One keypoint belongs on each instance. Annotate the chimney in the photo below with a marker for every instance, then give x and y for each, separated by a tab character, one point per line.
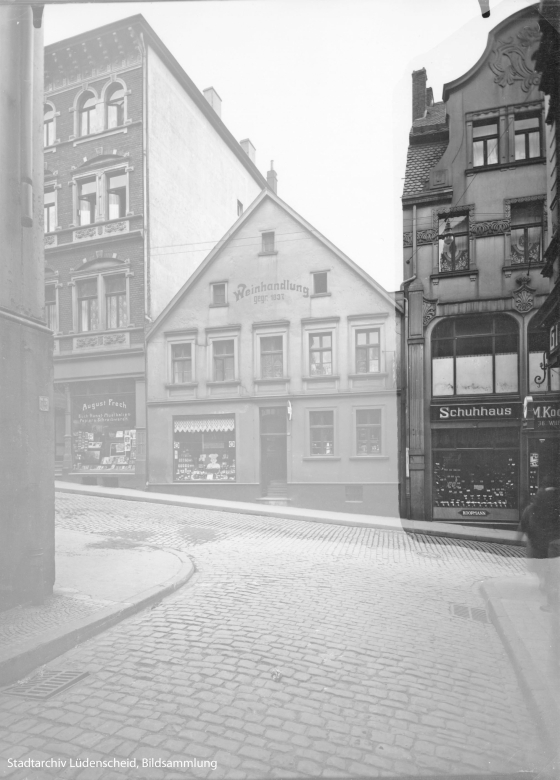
419	79
272	178
248	148
214	99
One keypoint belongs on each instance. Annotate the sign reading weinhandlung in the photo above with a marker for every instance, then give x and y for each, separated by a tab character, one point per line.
269	291
490	412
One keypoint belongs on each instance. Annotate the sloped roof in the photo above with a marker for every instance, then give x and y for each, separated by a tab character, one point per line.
435	117
233	230
420	160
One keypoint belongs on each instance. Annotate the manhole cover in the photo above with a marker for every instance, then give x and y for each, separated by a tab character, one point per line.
469	613
45	686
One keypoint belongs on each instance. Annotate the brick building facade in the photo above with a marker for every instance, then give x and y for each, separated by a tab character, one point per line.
141	177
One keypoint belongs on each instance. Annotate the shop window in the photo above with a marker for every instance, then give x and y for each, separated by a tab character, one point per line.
88	114
320	354
526	231
367	351
368	431
268	242
272	357
116	195
49	210
485	143
321	432
538	348
115	302
204	449
454	243
181	359
50	307
219	294
88	309
48	125
87	201
224	360
320	283
476	468
475	356
527	137
103	427
115	106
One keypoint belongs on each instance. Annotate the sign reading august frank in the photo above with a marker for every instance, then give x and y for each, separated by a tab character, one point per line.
490	412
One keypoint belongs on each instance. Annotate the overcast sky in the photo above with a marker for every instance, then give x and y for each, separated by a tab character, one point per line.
323	88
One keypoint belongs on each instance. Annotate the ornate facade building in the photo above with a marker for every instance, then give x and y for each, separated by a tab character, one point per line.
476	223
141	179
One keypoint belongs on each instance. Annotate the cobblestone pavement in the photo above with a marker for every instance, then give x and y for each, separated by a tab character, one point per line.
297	650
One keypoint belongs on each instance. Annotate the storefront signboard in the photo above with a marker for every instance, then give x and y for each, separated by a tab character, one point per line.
546	415
104	432
467	412
104	409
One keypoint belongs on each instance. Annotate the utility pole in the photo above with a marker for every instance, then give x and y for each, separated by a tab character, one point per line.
26	344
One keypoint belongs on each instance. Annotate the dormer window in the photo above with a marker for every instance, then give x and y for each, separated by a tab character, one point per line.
48	125
88	114
115	107
268	242
485	143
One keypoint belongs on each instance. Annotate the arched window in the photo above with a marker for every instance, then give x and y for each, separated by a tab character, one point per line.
115	106
88	114
48	125
475	356
538	345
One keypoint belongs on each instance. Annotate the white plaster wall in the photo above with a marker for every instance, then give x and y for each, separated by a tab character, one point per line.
195	181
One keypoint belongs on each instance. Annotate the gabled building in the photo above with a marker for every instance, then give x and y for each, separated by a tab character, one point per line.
141	179
272	374
476	222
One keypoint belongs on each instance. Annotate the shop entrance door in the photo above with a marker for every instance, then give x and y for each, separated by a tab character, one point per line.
544	454
273	430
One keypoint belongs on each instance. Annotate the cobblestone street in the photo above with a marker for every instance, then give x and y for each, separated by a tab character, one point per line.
297	650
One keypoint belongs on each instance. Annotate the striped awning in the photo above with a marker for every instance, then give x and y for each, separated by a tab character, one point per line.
208	424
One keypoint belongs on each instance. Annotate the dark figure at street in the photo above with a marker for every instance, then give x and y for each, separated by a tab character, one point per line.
540	523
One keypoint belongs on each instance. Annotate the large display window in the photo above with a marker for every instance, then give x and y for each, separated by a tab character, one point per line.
204	449
104	427
476	468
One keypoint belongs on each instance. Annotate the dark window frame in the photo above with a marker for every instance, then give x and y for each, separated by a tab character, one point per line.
526	227
87	114
223	363
267	353
89	299
90	198
320	350
369	427
48	125
367	348
527	132
49	210
448	231
119	192
113	299
484	140
182	365
51	307
321	429
115	107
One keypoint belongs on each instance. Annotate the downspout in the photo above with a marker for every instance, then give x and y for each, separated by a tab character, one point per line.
146	237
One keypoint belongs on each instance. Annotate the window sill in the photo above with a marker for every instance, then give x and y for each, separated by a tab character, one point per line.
271	380
472	272
320	378
505	165
368	457
180	385
507	270
223	382
82	139
320	295
218	305
321	457
369	375
266	254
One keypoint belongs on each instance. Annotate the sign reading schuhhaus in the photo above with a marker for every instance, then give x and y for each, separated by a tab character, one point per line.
490	412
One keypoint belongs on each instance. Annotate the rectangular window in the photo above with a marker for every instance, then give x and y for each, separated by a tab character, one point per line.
321	432
272	357
526	232
239	208
320	354
116	195
181	357
88	310
367	351
268	242
368	431
115	302
320	286
204	449
48	132
87	201
453	243
527	137
50	306
224	357
219	294
485	143
49	210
